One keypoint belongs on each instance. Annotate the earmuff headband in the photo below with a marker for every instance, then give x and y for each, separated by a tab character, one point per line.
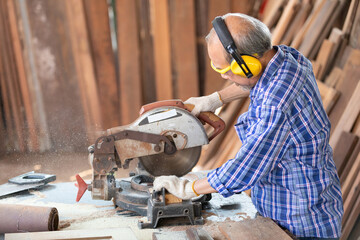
229	44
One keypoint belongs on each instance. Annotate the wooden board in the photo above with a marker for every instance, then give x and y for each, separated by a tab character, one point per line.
315	29
259	228
351	198
52	71
316	68
350	164
284	21
248	7
348	118
183	39
188	234
354	39
97	18
272	12
331	22
84	66
328	95
147	53
33	144
356	128
309	22
160	26
350	178
5	99
212	80
350	79
334	76
230	143
11	80
323	58
32	76
109	233
354	214
337	38
343	149
229	116
297	23
129	61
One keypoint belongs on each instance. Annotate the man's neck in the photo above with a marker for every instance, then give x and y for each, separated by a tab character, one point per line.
265	59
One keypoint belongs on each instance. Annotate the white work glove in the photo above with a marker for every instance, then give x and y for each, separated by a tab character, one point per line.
207	103
181	188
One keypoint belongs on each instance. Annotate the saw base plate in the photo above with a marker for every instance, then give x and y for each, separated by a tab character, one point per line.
132	197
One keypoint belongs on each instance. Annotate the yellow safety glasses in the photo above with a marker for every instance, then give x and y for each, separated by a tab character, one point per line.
222	70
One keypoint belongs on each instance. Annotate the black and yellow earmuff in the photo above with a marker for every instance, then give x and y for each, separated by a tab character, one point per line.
242	64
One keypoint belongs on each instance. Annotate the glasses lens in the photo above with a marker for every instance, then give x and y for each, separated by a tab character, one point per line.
220	70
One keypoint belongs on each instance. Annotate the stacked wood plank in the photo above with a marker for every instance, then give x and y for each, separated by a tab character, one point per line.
320	31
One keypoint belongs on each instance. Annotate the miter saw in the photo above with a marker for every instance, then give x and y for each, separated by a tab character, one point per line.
167	140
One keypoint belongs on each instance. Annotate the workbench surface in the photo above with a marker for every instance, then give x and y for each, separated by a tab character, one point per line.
98	214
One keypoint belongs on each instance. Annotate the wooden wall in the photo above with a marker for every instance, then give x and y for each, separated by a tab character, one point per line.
69	69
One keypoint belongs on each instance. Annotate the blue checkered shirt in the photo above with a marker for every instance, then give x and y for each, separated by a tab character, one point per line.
285	156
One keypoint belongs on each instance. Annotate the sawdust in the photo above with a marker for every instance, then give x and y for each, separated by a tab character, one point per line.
37	167
37	193
84	174
96	215
235	208
206	214
241	213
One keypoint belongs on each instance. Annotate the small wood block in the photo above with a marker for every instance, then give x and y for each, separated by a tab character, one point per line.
169	198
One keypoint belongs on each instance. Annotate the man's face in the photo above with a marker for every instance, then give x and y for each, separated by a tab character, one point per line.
216	54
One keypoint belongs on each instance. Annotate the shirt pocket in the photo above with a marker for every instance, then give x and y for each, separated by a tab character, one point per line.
241	127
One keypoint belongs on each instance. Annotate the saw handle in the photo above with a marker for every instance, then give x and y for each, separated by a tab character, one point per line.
208	117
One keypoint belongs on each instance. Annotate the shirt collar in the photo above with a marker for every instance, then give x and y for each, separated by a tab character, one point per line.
271	68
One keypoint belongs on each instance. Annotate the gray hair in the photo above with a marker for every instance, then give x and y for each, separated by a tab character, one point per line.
257	39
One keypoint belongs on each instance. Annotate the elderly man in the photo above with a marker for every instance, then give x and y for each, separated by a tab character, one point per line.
285	156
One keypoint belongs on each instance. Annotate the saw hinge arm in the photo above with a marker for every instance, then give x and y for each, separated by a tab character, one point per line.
156	139
104	149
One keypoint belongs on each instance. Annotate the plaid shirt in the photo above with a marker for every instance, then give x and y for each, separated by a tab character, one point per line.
285	156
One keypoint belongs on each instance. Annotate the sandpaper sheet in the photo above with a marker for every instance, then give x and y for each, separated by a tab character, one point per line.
22	218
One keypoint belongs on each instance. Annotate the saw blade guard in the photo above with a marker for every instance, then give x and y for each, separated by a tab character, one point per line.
190	127
176	124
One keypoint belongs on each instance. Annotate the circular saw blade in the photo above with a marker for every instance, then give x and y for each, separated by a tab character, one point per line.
179	163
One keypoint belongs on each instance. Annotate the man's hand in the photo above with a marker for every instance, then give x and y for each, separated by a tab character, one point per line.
205	104
181	188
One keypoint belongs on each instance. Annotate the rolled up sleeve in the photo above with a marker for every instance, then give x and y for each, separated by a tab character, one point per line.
265	140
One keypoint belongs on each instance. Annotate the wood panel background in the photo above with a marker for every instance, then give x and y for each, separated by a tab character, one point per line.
70	69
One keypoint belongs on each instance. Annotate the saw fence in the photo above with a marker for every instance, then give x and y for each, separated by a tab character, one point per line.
69	69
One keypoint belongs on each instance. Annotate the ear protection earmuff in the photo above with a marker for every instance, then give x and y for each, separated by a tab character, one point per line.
242	64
